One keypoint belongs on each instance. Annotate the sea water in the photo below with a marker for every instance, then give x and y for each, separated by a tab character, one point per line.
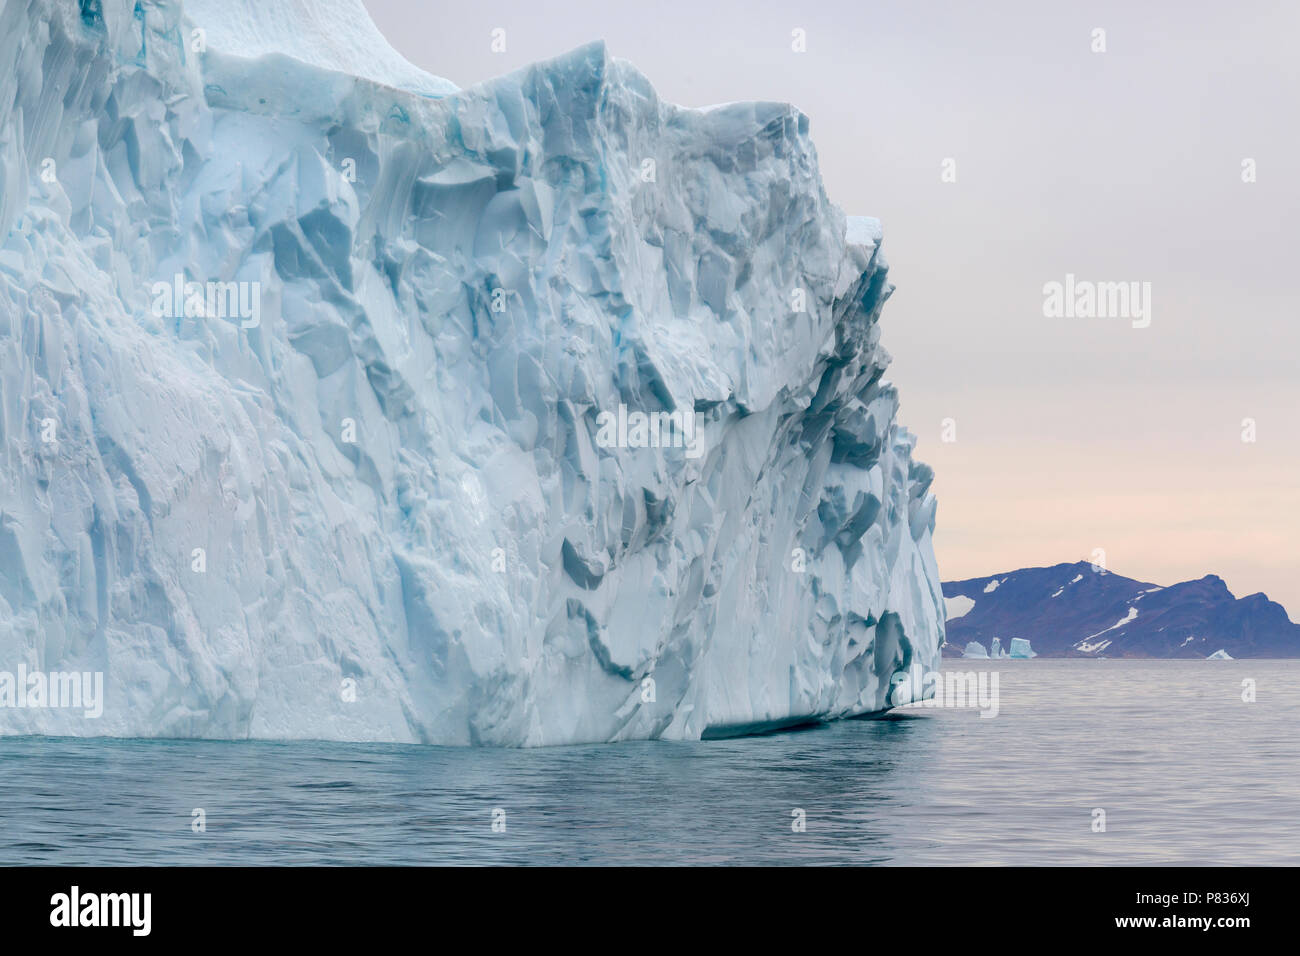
1086	762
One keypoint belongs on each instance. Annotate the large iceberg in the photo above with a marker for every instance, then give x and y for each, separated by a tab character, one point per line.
336	402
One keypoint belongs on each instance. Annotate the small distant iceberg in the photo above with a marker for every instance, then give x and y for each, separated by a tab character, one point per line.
1220	655
1020	649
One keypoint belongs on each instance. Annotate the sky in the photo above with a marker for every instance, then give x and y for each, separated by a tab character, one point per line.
1004	146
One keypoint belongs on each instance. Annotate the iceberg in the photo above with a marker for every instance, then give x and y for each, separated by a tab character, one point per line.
976	649
1020	649
339	403
996	652
1219	655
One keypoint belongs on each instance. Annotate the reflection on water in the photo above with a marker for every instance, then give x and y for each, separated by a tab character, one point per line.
1186	772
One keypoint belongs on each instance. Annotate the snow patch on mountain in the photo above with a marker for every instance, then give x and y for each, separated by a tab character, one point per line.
957	606
1088	646
1093	647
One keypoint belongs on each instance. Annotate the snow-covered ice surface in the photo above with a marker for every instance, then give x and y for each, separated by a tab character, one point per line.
338	36
368	500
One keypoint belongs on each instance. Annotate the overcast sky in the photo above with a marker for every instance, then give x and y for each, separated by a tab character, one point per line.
1072	434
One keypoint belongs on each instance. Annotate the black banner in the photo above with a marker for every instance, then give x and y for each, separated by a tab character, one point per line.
925	906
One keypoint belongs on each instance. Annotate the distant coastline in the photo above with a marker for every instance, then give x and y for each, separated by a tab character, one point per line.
1081	610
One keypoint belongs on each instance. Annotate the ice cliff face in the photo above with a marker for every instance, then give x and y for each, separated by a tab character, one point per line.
323	395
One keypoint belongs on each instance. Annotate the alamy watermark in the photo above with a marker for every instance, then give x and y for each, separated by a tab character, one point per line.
1084	299
53	689
75	908
634	429
924	688
214	300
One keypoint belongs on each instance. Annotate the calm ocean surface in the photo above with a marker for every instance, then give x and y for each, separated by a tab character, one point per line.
1186	772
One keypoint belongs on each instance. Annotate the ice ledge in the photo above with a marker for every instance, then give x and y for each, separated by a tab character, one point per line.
335	35
863	231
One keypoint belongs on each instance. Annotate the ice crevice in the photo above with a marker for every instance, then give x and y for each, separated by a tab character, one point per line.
388	441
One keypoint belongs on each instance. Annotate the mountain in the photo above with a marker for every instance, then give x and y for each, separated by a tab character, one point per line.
1072	610
337	402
